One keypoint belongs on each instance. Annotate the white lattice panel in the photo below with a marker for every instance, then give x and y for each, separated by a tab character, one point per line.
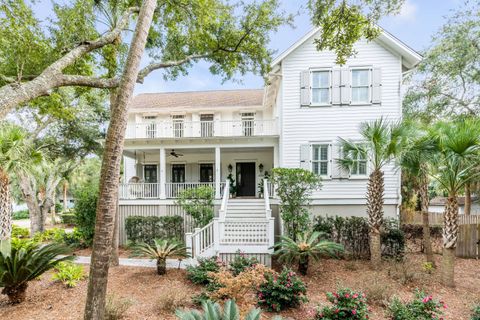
248	233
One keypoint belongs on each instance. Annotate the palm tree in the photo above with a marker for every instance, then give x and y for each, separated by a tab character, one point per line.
381	144
161	250
213	311
307	246
16	154
453	166
418	150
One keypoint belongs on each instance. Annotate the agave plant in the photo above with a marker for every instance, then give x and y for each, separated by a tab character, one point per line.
308	245
161	250
213	311
25	264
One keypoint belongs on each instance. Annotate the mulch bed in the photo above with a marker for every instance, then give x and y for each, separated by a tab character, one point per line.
50	300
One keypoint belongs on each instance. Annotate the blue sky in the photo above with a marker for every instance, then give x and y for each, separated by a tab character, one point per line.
415	25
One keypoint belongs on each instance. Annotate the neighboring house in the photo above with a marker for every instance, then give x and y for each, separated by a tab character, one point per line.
437	205
181	140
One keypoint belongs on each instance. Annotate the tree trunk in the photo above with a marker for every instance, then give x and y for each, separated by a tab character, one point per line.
161	266
450	234
5	213
303	265
468	199
115	258
375	190
110	173
424	202
16	294
65	200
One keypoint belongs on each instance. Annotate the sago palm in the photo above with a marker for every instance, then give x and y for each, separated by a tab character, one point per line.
414	162
380	143
213	311
25	264
458	146
307	246
16	153
161	250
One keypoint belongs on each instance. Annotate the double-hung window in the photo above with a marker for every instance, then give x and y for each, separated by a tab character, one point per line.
320	159
361	85
359	166
321	87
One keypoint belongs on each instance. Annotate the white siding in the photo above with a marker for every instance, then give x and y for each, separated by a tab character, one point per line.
301	125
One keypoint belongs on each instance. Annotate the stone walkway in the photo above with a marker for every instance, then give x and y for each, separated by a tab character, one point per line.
147	263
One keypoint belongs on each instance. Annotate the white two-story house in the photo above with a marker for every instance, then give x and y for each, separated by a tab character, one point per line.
181	140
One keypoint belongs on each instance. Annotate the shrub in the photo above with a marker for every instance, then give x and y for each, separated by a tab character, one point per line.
422	307
475	312
177	296
146	229
19	243
281	291
85	211
161	250
347	304
25	264
69	273
68	218
307	246
55	235
200	274
18	232
353	234
21	214
115	308
294	187
74	239
377	291
213	311
198	202
241	262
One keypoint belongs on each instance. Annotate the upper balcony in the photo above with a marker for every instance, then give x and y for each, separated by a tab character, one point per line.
202	129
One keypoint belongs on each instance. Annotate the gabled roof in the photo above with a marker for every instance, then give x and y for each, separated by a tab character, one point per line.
410	58
197	99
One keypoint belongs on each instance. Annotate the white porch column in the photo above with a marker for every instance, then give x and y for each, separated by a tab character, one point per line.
163	173
275	156
217	172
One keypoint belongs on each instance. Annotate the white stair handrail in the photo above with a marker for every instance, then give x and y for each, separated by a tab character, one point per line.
266	195
201	239
223	207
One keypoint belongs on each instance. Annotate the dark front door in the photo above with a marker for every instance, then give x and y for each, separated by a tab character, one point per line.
246	179
150	173
206	172
178	173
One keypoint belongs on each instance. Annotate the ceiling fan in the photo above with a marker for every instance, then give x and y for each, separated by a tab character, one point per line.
175	154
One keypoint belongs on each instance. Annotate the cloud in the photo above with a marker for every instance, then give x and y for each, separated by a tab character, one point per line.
408	12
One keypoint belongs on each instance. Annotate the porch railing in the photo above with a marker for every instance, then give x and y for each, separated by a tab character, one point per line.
139	190
202	129
173	189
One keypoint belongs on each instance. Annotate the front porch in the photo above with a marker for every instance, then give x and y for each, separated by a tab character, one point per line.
165	172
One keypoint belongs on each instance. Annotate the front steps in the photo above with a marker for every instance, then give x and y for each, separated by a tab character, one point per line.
238	208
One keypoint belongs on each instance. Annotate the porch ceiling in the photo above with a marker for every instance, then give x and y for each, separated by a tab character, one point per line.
192	151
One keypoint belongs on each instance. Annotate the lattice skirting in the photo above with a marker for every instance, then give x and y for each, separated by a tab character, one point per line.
263	258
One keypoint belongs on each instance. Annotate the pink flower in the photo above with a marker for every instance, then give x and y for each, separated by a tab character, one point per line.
444	306
355	296
337	310
426	299
354	312
347	295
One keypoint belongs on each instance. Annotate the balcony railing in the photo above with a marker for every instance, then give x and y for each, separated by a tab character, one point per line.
152	190
202	129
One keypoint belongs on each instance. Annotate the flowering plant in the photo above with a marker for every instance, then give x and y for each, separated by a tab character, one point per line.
422	307
281	291
347	304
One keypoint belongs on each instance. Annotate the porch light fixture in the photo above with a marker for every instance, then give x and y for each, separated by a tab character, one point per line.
260	167
230	168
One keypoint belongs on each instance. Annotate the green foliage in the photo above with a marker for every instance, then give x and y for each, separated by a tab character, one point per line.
307	246
161	249
85	211
213	311
146	229
18	232
70	274
352	233
74	239
19	243
68	218
294	188
115	308
343	23
26	264
199	274
56	235
475	312
347	304
21	214
241	262
281	291
198	202
422	307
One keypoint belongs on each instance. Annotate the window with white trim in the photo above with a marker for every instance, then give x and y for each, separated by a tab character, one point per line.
321	87
359	166
320	159
361	85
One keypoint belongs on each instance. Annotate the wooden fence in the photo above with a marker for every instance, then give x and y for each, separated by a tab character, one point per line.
468	242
